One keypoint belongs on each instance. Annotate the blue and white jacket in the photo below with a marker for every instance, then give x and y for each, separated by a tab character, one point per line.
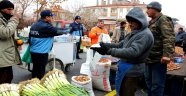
41	36
76	29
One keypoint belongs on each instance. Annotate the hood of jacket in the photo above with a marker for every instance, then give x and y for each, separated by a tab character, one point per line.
137	13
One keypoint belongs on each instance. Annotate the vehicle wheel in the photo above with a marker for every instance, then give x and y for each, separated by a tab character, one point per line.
59	64
68	67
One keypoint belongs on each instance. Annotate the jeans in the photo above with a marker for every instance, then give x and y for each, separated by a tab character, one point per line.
155	76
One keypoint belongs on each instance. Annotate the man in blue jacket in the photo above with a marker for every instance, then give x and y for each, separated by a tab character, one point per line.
41	41
179	37
77	32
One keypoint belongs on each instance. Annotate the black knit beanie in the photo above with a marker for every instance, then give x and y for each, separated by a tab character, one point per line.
6	4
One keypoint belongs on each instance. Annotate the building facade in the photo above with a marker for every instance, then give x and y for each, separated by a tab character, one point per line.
115	8
112	10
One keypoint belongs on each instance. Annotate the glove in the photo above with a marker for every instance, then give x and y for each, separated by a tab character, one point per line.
104	47
100	50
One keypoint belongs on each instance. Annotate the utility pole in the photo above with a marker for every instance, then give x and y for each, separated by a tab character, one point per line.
37	12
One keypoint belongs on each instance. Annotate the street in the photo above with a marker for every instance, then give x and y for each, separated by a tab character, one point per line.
21	74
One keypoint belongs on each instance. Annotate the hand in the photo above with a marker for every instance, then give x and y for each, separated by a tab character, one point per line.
16	16
165	60
98	34
104	47
19	48
99	50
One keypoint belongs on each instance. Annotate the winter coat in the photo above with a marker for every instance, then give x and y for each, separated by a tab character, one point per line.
93	34
136	46
117	34
162	29
9	54
180	36
41	36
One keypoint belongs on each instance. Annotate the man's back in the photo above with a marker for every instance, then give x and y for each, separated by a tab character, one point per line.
41	37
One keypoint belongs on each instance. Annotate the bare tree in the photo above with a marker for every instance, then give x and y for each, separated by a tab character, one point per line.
24	4
89	17
46	4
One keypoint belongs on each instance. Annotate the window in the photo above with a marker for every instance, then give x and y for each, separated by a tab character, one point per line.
113	10
104	10
121	10
67	25
59	25
54	23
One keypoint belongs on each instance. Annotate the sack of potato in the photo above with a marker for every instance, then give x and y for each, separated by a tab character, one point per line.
83	81
100	75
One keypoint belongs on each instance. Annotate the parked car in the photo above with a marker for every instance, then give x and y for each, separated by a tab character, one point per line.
66	24
61	23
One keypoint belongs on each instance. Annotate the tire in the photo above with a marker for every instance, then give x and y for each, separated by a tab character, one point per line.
59	64
68	67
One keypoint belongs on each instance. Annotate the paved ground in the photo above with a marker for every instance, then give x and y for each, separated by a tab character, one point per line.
21	74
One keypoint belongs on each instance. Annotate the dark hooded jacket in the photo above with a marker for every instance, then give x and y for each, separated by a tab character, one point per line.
135	47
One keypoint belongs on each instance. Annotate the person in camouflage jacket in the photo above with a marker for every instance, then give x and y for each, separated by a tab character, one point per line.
160	55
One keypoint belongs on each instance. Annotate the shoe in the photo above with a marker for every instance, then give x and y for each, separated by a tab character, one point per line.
78	58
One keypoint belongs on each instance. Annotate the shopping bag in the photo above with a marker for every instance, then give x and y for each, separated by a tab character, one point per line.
105	38
85	67
95	60
27	56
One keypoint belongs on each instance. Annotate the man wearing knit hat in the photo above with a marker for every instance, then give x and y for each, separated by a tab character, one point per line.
161	54
9	55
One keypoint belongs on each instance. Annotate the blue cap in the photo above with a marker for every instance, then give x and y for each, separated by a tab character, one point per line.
45	13
77	17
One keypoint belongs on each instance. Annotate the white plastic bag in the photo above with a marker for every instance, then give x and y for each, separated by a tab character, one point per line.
89	55
77	38
85	69
95	60
105	38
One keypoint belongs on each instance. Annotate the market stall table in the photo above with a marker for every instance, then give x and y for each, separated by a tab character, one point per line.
175	82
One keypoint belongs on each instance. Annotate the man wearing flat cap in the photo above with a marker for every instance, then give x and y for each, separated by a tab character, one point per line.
9	55
161	54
